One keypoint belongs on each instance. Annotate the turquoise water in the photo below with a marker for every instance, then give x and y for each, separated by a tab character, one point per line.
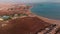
49	10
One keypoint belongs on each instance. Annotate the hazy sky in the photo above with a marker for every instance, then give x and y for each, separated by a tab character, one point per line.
28	1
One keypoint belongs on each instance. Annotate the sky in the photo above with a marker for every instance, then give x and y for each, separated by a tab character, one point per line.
27	1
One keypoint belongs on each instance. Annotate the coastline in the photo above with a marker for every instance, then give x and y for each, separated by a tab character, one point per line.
45	19
51	21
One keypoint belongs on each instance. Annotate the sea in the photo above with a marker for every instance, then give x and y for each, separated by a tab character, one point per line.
48	10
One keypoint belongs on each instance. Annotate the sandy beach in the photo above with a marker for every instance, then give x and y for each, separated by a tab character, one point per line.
52	21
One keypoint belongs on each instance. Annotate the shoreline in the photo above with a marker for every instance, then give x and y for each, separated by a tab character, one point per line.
52	21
